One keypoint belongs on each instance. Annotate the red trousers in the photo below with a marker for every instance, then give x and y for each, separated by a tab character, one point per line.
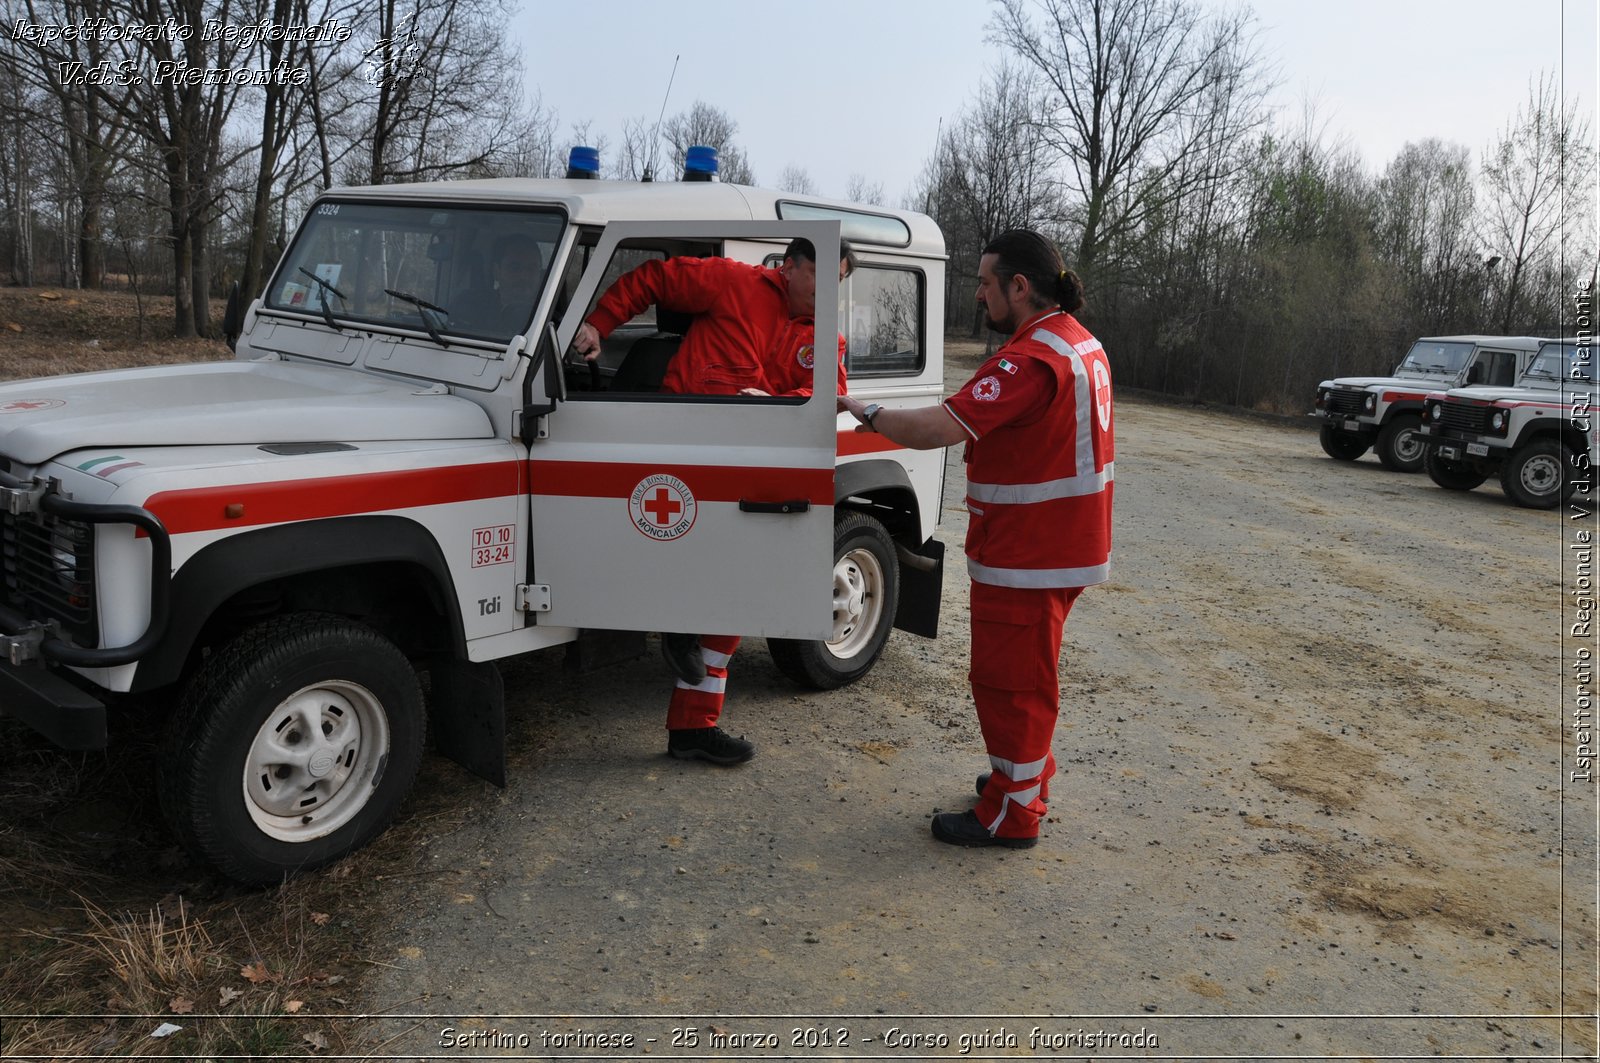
699	704
1016	642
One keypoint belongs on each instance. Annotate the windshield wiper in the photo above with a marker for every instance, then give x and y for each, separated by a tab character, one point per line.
424	310
327	315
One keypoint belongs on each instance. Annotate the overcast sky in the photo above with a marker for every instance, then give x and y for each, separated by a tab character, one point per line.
1382	72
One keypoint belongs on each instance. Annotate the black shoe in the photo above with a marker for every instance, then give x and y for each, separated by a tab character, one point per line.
983	781
683	656
963	828
709	743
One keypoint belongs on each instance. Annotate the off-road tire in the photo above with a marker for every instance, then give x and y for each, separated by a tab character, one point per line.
866	581
327	689
1341	445
1450	475
1538	474
1399	447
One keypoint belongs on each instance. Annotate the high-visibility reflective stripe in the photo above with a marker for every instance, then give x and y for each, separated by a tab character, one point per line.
1021	797
711	684
714	659
1039	578
1082	392
974	510
1020	494
1014	771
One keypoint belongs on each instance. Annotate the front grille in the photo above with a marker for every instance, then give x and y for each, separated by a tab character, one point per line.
1347	403
48	564
1464	418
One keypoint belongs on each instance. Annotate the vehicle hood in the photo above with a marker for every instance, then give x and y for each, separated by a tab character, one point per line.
1488	395
224	402
1437	383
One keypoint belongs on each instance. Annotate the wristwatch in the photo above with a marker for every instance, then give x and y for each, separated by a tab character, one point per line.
869	413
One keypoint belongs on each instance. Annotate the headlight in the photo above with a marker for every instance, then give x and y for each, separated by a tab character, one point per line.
1322	397
1497	420
1435	411
1371	404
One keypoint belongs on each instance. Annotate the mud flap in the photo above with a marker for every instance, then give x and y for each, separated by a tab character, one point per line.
595	649
469	716
921	584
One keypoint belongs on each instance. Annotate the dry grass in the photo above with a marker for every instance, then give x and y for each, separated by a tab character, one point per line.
50	331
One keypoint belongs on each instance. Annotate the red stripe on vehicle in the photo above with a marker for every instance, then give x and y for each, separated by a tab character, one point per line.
1400	396
851	443
204	509
709	483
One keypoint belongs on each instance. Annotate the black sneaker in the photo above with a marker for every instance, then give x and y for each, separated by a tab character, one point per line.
683	656
963	828
709	743
983	782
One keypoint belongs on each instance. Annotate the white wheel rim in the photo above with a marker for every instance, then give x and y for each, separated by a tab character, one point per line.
1408	445
1541	474
857	602
313	764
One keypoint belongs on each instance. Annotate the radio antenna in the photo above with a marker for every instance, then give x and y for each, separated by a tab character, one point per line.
655	138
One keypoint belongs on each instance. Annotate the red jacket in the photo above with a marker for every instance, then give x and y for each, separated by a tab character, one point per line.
1039	486
741	312
791	360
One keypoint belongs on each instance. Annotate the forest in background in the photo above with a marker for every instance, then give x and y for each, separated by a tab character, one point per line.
1230	254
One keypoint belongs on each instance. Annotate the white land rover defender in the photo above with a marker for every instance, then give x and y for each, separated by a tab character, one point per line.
380	484
1538	437
1383	412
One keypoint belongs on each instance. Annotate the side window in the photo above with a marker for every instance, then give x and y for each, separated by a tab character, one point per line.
1502	369
882	316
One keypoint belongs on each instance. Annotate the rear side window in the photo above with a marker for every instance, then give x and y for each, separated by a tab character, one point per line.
881	314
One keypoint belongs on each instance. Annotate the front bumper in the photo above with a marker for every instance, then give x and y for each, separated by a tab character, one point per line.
36	575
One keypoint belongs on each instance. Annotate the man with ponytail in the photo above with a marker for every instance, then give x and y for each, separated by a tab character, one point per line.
1036	419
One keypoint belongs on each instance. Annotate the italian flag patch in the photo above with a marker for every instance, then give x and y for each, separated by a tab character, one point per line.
1010	367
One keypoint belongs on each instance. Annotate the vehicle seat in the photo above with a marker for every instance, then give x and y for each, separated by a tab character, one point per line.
645	364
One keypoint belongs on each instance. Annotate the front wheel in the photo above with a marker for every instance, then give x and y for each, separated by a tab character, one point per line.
1538	475
293	746
1342	445
866	592
1399	447
1451	475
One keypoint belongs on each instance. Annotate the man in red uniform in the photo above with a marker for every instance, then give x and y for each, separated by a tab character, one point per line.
746	319
1036	419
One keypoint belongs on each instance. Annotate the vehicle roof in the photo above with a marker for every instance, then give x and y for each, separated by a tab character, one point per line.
1488	341
590	202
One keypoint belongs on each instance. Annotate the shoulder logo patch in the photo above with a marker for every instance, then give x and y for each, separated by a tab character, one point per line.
987	389
807	356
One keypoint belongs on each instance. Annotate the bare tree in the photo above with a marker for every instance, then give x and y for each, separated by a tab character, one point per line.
858	189
1424	227
705	124
795	179
1536	176
1139	87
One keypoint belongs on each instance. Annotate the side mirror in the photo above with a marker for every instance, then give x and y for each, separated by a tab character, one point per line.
233	316
548	357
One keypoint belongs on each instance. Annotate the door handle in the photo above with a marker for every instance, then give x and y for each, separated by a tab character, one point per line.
798	505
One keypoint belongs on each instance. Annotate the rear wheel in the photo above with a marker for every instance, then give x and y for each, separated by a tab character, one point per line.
1345	446
866	591
1538	475
1399	447
293	746
1451	475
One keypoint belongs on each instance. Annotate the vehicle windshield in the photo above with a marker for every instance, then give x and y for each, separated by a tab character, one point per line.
1564	361
463	271
1435	358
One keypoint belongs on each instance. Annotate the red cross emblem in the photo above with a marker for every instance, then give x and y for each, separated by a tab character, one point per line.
986	390
662	507
25	405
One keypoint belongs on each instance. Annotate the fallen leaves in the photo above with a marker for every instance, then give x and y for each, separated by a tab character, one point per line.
256	973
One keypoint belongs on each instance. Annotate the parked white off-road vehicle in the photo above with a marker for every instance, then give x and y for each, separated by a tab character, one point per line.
1538	437
1382	412
383	483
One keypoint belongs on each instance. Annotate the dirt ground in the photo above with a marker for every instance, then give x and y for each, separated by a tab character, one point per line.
1313	803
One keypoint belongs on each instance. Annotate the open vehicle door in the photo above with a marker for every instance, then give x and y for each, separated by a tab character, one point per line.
698	514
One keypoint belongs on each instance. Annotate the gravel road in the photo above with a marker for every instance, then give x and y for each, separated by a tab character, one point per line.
1314	801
